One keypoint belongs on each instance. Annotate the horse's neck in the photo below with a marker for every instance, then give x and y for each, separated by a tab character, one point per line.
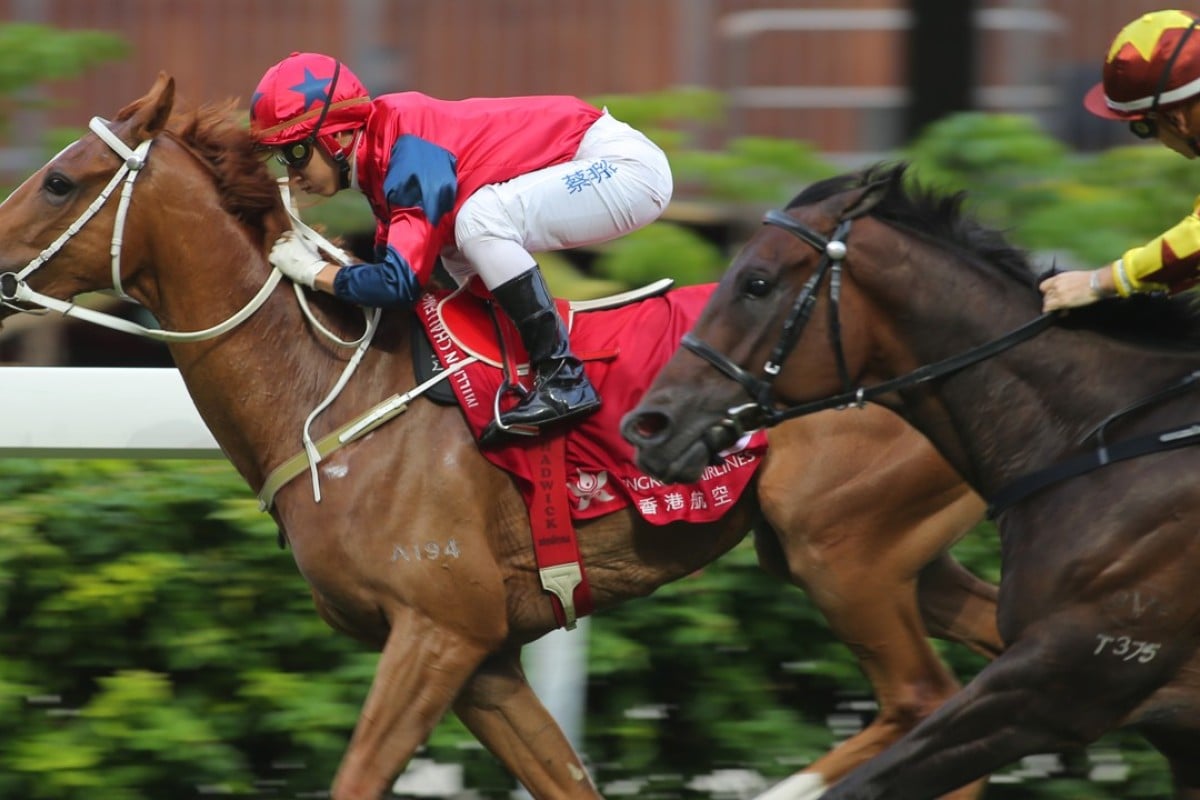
1030	406
255	385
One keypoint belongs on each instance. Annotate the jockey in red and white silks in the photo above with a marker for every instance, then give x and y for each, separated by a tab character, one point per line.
482	183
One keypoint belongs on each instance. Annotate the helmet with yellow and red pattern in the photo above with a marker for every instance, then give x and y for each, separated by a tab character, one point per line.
1153	64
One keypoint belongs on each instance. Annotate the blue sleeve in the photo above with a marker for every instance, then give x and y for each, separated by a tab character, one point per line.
420	187
422	175
388	284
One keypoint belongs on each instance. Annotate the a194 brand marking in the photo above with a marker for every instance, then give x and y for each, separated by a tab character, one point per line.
429	551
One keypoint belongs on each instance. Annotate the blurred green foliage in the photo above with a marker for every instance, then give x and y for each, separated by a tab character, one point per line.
156	643
638	258
1089	208
33	54
156	640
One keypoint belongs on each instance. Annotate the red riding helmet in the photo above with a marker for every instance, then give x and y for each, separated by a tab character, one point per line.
1153	64
307	96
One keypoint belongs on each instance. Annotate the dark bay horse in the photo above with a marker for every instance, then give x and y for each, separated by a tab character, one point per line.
865	531
868	288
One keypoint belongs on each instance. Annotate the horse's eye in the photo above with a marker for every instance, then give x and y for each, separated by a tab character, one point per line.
58	184
757	287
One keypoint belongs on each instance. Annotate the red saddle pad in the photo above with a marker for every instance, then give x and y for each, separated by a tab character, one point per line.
628	345
467	319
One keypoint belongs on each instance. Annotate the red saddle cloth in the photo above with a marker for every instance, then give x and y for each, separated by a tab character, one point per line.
623	348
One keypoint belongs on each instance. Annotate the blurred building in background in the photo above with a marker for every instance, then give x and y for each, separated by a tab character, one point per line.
834	73
856	78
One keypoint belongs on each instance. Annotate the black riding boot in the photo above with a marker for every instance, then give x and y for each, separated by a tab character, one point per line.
561	389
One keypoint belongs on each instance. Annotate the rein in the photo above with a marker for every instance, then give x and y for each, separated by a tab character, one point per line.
14	289
761	411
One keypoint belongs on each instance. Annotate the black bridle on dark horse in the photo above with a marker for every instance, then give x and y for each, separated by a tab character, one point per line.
762	412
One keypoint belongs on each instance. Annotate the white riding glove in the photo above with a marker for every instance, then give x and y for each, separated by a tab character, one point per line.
297	259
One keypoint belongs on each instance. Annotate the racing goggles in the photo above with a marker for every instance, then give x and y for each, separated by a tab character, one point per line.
295	154
1145	128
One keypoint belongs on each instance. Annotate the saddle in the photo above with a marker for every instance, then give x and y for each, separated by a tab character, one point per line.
475	326
623	340
583	469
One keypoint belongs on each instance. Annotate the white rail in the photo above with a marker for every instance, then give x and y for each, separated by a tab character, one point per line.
100	412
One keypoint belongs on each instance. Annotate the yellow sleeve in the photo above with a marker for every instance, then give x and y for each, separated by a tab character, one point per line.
1170	262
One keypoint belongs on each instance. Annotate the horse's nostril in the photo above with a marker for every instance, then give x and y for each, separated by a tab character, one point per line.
647	426
652	425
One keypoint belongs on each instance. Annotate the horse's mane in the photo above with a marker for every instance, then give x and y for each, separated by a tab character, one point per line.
936	215
215	133
940	217
217	136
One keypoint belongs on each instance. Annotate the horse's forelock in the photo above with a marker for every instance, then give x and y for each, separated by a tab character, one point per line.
889	173
824	189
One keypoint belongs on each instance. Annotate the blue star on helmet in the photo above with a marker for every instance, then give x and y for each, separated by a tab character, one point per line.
312	88
254	98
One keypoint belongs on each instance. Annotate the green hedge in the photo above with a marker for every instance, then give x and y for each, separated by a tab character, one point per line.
157	643
156	640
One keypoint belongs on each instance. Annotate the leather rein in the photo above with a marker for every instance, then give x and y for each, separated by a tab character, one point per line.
762	412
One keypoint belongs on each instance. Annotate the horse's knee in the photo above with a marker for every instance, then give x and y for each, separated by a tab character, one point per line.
497	679
908	703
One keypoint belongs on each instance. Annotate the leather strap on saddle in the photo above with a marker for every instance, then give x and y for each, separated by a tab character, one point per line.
555	546
466	318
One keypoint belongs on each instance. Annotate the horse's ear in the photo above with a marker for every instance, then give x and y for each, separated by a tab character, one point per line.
149	115
860	201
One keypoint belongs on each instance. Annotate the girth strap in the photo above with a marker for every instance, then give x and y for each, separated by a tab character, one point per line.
555	546
1160	442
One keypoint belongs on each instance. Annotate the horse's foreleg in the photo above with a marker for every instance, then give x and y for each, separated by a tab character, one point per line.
1047	692
500	708
422	668
883	627
867	592
871	606
958	606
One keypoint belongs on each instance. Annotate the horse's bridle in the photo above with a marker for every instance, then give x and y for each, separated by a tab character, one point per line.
762	412
132	162
14	289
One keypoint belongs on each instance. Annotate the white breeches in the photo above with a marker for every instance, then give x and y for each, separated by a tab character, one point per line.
618	181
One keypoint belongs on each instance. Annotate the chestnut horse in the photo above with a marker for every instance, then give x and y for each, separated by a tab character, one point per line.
866	532
860	282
